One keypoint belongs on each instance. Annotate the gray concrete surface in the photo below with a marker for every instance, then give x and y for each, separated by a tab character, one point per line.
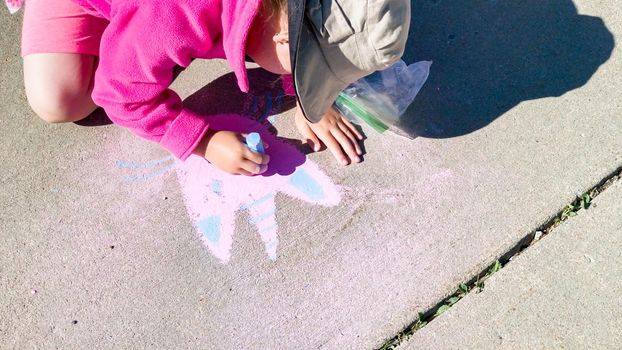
415	219
562	293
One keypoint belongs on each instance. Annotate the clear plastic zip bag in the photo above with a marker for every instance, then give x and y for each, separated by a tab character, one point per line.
380	99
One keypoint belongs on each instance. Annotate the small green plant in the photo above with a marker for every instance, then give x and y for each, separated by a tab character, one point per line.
420	323
571	209
390	345
460	293
441	309
463	289
586	201
494	268
479	284
404	335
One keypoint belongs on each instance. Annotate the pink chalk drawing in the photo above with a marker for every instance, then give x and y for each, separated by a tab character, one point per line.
214	198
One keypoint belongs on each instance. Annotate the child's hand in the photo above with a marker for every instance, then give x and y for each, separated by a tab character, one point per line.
335	131
227	151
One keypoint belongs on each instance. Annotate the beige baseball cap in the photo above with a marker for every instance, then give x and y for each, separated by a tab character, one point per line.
333	43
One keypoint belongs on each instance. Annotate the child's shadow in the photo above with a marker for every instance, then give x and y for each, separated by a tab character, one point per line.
230	109
222	96
491	55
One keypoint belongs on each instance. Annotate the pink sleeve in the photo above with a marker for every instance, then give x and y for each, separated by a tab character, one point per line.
139	49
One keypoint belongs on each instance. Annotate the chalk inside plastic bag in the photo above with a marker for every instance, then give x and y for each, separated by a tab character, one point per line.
380	99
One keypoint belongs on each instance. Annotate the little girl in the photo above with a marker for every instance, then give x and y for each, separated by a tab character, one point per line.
121	54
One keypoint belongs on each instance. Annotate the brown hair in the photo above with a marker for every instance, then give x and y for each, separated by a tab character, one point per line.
274	7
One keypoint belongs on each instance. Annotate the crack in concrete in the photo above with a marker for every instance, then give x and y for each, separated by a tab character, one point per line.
476	283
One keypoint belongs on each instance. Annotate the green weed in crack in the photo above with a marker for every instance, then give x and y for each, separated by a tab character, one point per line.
571	209
477	284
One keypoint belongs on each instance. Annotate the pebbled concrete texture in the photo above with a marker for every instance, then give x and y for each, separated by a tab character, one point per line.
561	293
415	219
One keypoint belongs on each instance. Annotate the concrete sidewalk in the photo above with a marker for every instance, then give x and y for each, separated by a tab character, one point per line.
108	242
562	293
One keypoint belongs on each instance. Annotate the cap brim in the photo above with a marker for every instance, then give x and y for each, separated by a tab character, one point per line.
315	84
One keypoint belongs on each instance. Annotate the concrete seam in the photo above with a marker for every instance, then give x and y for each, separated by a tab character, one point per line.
476	283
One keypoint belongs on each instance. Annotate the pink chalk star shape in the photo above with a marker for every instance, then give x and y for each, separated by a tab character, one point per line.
213	198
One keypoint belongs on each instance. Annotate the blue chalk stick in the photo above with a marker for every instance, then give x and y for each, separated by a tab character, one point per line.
253	141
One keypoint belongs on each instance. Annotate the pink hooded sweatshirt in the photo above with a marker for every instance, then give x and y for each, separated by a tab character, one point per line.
142	44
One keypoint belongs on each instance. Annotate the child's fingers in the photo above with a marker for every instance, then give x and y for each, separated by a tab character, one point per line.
257	158
244	172
352	128
344	128
253	168
345	120
346	145
333	146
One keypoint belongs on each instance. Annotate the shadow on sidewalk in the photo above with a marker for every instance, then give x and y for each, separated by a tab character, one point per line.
228	108
222	96
490	55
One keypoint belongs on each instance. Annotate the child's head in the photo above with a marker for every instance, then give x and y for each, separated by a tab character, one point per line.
333	44
268	39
